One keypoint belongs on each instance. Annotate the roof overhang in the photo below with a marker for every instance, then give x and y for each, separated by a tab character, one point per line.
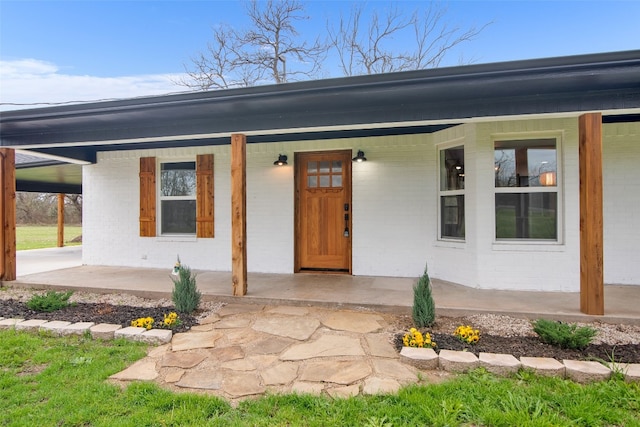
395	103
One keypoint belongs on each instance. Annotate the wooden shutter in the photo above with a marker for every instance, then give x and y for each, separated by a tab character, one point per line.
147	196
204	195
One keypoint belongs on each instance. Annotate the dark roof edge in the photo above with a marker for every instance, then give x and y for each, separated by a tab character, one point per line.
445	73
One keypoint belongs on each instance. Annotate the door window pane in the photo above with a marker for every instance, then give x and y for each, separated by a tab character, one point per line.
324	181
336	180
325	167
312	181
312	167
336	166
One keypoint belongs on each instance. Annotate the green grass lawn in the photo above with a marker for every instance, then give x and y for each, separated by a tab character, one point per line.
44	236
47	381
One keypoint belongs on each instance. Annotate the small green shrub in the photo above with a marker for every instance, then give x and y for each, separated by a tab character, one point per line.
564	335
424	308
50	301
186	296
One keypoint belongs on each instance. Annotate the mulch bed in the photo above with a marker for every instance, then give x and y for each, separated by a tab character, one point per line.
517	346
97	313
533	347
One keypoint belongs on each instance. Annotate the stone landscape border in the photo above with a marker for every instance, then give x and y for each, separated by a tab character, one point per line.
421	358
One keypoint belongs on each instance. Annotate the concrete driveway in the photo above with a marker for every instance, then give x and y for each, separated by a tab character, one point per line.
41	260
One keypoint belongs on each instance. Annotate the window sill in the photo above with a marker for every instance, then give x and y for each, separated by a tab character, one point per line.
177	238
451	243
533	246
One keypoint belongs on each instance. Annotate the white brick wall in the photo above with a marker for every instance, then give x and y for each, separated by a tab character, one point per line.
621	194
395	210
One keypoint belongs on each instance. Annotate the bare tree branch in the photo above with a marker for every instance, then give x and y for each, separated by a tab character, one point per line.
371	47
270	51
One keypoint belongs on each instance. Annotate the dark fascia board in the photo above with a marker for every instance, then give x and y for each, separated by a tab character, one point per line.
593	82
47	187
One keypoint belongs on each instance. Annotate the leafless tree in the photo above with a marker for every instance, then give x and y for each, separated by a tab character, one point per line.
42	208
272	50
369	45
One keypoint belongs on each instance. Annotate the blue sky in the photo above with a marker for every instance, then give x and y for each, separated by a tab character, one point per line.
59	51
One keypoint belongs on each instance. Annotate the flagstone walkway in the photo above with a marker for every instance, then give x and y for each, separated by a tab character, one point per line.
249	350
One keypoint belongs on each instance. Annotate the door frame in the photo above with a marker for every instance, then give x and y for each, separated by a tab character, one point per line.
296	210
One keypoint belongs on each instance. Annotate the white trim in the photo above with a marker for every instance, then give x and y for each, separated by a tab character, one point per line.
512	244
458	142
160	198
52	157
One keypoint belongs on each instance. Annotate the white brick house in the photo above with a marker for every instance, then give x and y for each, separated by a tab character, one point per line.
473	170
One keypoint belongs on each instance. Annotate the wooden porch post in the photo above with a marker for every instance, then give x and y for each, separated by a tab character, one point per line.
60	220
239	214
8	213
591	223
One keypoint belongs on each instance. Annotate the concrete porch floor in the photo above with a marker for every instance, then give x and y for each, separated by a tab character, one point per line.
386	294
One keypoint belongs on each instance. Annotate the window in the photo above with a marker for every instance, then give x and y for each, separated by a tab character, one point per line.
526	191
452	193
178	198
184	193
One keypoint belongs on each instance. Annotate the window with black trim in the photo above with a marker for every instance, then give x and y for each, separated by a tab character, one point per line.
451	194
526	190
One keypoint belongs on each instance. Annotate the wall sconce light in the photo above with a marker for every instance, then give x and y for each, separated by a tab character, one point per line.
282	160
360	157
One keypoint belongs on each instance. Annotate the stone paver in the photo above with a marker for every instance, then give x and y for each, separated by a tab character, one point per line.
239	365
240	384
282	373
631	371
128	332
224	354
585	371
543	366
174	376
377	385
353	322
325	346
335	371
344	392
499	364
387	368
421	358
271	345
210	379
182	359
155	336
54	326
193	340
301	387
233	309
30	325
457	361
79	328
232	323
104	331
379	346
299	328
142	370
289	310
9	323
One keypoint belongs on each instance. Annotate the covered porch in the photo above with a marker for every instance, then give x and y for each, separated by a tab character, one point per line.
384	294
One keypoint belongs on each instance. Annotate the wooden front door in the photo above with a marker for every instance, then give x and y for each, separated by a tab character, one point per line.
323	211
